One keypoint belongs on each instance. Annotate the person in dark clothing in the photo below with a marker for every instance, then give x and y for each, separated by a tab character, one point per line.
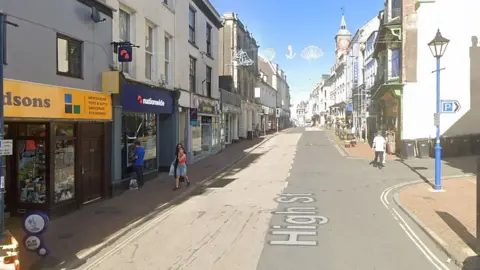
138	166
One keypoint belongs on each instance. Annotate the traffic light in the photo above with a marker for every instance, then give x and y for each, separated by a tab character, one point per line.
124	54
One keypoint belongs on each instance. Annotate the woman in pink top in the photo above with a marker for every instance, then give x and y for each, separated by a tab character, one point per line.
181	168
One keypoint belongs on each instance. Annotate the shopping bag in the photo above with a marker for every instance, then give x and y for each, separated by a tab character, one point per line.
133	184
172	170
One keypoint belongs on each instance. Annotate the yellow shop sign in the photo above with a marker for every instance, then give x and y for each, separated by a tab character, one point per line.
30	100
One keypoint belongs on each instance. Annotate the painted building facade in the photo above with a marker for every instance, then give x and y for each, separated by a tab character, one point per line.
55	113
197	31
238	42
460	79
144	103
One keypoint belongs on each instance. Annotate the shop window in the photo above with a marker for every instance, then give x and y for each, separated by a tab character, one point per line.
31	170
215	133
34	130
197	139
140	127
64	170
64	130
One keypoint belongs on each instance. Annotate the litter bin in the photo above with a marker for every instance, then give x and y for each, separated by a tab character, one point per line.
423	147
408	149
475	144
449	148
464	145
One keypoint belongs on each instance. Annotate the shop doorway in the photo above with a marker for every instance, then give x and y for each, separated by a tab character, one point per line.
206	133
91	172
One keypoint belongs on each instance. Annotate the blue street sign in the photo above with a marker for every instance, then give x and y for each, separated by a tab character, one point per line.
450	106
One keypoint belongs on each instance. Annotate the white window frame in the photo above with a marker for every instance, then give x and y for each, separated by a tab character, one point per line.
167	59
193	39
125	67
151	54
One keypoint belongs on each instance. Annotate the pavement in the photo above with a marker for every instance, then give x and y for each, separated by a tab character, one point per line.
295	202
448	217
77	236
362	150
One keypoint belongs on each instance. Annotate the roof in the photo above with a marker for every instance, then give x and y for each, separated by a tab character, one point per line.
266	69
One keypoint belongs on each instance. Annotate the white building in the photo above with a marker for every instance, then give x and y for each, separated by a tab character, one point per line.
266	94
196	52
279	82
370	73
301	107
150	27
460	75
355	65
342	99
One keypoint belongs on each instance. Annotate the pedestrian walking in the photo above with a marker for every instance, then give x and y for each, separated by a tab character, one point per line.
379	146
138	165
175	160
181	169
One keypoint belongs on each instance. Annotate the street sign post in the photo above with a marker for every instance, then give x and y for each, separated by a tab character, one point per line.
3	23
450	106
6	147
277	111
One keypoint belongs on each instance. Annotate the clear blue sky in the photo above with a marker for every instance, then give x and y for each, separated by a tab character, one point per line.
279	23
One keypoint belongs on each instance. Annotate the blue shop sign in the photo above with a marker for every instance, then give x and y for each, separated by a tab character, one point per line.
138	98
349	108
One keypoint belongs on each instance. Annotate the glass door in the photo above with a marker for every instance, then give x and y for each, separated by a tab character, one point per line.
206	133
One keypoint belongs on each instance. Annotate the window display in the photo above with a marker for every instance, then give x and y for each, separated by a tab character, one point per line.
31	170
34	130
206	133
215	133
140	127
64	170
196	140
64	130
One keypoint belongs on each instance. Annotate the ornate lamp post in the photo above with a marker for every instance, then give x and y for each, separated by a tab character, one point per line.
438	46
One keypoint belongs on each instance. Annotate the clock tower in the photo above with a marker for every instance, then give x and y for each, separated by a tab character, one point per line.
342	39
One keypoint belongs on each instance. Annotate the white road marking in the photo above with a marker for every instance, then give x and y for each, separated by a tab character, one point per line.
339	150
429	255
132	237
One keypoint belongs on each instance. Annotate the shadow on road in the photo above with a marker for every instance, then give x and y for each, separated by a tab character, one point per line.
94	224
416	171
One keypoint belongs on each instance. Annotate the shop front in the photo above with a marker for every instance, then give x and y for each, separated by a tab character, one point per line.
147	116
231	110
230	114
389	120
61	147
205	127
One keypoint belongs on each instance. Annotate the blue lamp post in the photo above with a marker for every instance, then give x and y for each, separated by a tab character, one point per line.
438	46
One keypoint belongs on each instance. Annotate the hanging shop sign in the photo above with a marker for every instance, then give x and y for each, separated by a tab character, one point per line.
204	107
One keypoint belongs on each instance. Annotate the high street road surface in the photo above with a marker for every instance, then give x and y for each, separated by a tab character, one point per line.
293	203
